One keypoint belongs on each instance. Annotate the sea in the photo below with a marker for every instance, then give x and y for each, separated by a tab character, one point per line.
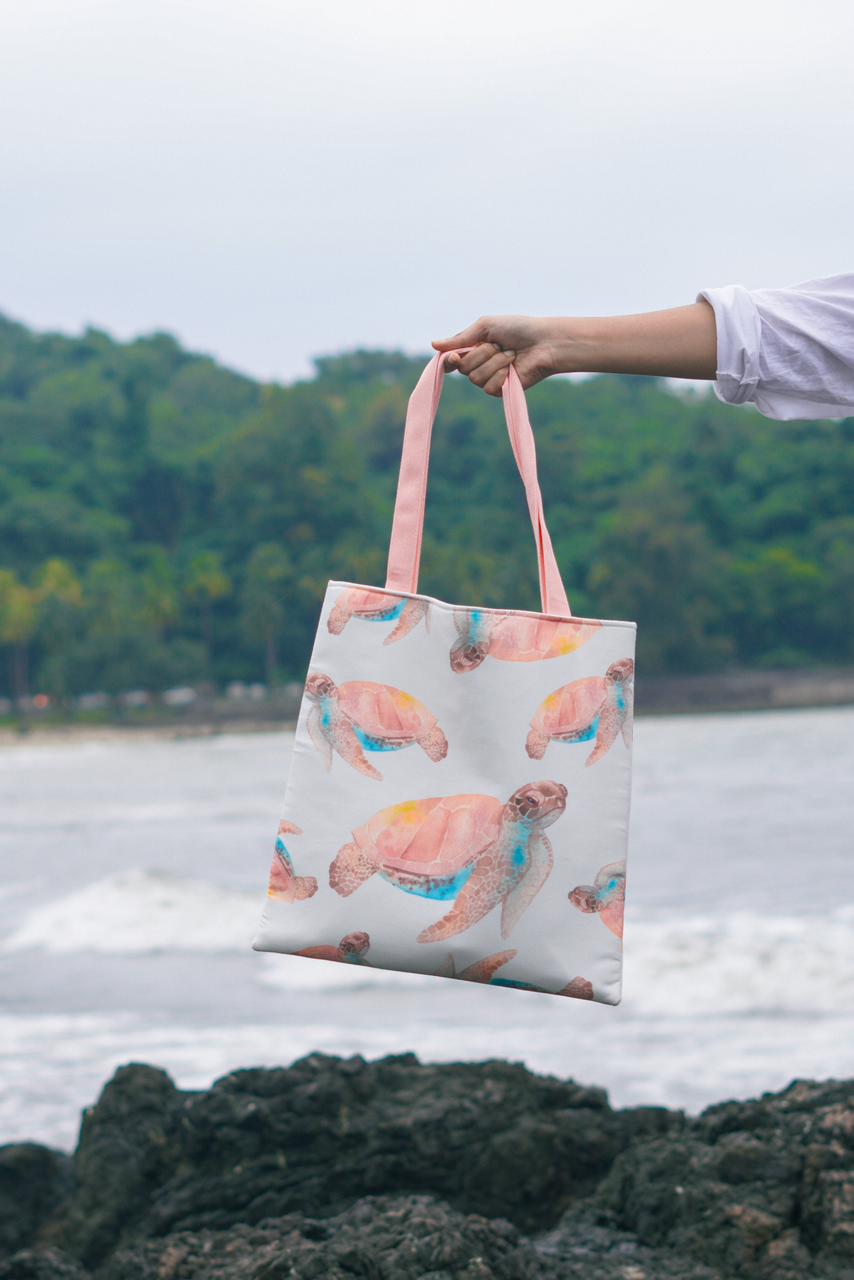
133	871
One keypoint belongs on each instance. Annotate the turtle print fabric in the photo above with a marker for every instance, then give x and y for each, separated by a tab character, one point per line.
364	716
459	794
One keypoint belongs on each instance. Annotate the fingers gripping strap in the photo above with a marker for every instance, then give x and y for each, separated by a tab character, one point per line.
404	554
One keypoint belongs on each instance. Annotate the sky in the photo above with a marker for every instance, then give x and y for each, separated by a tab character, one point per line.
271	181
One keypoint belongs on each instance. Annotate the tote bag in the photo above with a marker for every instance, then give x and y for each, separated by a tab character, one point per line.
459	789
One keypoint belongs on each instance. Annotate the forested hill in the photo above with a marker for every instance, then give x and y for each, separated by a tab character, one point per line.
165	520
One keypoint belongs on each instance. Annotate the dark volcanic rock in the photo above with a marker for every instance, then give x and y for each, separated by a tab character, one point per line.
396	1238
42	1264
758	1188
33	1180
489	1138
393	1169
127	1151
386	1238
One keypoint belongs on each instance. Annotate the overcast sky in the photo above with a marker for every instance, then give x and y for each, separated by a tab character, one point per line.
271	180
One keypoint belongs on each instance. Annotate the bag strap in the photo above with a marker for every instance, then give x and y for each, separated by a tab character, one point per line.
404	553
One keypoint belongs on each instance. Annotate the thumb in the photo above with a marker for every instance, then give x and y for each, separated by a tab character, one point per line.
468	337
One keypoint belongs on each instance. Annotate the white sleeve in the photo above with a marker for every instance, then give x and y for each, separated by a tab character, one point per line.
788	351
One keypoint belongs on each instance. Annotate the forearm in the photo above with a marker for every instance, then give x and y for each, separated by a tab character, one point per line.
677	343
789	351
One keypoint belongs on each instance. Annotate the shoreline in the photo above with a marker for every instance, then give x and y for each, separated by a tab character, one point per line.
713	694
168	730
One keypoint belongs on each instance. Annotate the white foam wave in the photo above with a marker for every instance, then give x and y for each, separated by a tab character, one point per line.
54	1064
142	911
742	963
137	911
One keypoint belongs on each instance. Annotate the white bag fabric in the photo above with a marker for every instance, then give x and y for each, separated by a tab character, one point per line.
459	790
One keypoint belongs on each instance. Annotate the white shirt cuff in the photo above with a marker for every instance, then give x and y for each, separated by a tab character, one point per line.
739	333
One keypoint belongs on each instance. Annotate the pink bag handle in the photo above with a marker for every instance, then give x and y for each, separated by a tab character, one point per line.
404	553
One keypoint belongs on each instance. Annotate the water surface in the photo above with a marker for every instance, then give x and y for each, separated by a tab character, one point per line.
133	872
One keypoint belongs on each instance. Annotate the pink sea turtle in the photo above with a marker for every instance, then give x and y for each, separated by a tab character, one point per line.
284	883
480	971
377	606
352	949
514	637
606	896
363	716
595	707
471	848
485	970
578	988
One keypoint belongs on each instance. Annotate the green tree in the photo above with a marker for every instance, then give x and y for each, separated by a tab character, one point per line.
206	583
776	601
269	573
655	565
156	476
59	597
18	622
160	598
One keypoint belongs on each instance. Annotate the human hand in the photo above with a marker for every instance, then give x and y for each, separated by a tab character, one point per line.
530	343
679	342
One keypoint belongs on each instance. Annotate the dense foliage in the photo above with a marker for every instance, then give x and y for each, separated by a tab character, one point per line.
164	520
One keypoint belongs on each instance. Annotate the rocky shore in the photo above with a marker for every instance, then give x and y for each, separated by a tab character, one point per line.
342	1169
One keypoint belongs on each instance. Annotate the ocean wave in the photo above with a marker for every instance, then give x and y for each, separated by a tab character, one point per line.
80	817
744	962
19	886
142	911
54	1064
740	963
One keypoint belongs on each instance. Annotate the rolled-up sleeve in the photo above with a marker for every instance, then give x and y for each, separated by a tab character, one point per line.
788	351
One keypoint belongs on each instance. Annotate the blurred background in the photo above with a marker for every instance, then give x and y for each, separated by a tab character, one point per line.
229	235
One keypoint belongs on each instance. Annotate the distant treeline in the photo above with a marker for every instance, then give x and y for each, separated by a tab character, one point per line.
164	520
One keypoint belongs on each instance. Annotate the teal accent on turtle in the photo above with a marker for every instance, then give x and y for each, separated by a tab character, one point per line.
394	612
476	624
621	701
283	853
373	744
585	735
437	889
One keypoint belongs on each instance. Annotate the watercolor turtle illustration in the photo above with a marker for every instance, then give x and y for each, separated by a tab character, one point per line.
363	716
514	637
485	970
377	606
352	949
606	896
470	848
579	988
284	883
596	707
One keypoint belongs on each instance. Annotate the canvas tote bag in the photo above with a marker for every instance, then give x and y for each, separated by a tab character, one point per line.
459	789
